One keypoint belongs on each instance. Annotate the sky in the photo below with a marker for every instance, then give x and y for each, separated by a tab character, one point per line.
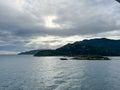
49	24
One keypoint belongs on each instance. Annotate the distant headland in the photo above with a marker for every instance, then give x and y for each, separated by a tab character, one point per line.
98	46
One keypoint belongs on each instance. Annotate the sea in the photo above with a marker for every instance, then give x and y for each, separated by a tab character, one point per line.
26	72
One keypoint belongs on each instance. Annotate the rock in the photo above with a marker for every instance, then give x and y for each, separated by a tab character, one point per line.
63	59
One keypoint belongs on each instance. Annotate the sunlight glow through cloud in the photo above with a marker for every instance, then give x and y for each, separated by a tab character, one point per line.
50	22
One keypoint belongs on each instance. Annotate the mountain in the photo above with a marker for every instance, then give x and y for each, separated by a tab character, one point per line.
118	1
32	52
101	46
110	44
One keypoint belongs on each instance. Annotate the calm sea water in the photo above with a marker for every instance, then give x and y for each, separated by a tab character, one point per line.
50	73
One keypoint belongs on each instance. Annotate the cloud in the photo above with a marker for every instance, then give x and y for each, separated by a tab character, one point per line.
30	24
7	52
52	42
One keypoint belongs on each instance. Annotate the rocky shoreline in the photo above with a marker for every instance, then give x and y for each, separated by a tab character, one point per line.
91	57
87	57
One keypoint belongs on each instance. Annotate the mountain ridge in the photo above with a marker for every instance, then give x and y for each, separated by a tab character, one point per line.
97	46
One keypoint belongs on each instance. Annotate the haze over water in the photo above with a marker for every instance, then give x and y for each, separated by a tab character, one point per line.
50	73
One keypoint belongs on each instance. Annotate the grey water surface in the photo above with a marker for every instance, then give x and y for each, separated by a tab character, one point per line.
19	72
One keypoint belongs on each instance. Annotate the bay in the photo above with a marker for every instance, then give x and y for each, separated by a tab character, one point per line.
24	72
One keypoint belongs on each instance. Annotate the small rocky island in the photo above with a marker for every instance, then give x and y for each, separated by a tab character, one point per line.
90	57
63	58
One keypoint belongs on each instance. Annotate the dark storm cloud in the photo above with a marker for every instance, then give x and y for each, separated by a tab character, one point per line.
23	21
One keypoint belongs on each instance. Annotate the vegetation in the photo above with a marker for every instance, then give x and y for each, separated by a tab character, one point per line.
90	57
104	47
46	53
118	1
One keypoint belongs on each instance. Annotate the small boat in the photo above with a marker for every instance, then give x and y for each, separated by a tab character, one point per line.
63	59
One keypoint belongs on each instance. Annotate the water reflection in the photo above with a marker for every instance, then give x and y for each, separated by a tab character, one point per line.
50	73
96	75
